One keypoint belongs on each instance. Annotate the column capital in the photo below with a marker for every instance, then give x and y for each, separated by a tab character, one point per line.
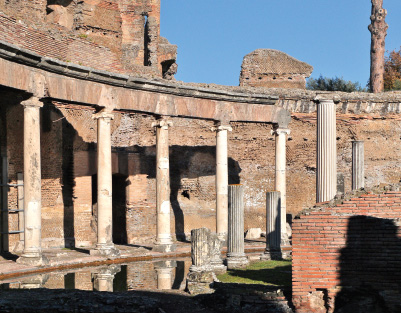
162	123
220	126
280	131
33	102
103	114
327	98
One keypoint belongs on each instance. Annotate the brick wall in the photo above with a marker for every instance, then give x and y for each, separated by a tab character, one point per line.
349	254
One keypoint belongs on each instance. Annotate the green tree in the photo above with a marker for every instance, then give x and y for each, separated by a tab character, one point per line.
333	84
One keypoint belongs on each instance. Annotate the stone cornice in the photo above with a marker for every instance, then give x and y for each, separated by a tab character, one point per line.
19	55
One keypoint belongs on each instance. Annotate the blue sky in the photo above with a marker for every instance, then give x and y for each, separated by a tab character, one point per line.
213	36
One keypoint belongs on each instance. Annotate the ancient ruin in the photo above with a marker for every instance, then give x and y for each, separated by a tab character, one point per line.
101	149
273	69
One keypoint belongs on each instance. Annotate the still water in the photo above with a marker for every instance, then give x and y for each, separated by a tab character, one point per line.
148	275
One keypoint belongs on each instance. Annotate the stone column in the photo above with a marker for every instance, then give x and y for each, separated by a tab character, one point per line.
273	225
164	242
358	165
200	278
32	253
104	277
164	270
326	181
222	180
235	248
200	250
104	244
280	181
216	245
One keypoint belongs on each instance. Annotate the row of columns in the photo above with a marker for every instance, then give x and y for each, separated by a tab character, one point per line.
32	253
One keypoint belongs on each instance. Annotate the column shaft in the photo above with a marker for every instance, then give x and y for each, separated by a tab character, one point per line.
235	247
32	253
280	180
358	165
104	244
326	182
222	180
164	242
200	249
273	225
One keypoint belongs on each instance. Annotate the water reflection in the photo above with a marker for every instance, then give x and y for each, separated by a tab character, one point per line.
103	278
156	275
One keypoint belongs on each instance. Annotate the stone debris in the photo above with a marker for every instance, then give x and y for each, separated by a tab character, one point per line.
253	233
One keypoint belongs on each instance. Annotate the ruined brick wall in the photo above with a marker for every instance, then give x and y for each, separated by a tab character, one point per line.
270	68
349	255
113	35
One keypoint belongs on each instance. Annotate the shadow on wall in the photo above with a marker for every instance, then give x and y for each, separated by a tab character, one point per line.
185	162
370	267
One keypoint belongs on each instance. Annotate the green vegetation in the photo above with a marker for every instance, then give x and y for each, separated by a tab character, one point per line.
392	71
333	84
275	273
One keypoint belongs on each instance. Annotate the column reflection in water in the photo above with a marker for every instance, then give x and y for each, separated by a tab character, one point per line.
103	278
164	270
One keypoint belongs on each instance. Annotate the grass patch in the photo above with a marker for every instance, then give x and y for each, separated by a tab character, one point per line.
273	273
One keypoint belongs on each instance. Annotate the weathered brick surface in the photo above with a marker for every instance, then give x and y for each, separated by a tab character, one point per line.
350	250
107	35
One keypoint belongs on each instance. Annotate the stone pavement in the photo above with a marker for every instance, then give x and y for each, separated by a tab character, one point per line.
60	259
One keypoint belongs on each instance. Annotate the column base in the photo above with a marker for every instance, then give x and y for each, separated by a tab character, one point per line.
105	250
219	268
36	259
236	261
163	248
271	255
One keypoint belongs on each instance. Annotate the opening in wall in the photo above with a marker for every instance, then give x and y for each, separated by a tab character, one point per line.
146	38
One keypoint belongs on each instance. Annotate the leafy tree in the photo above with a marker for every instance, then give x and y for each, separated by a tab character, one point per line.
333	84
392	71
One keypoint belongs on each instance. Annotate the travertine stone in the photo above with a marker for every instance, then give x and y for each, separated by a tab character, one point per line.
273	225
201	276
200	250
358	165
164	242
164	270
32	253
216	245
235	247
326	182
104	244
280	180
104	277
221	180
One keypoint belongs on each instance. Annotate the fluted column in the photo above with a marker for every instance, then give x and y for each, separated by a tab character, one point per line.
32	253
104	277
326	182
222	179
273	225
164	271
104	244
164	242
216	245
200	250
235	244
280	180
358	165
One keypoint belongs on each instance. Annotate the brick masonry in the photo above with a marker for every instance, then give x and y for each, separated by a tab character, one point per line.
349	255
